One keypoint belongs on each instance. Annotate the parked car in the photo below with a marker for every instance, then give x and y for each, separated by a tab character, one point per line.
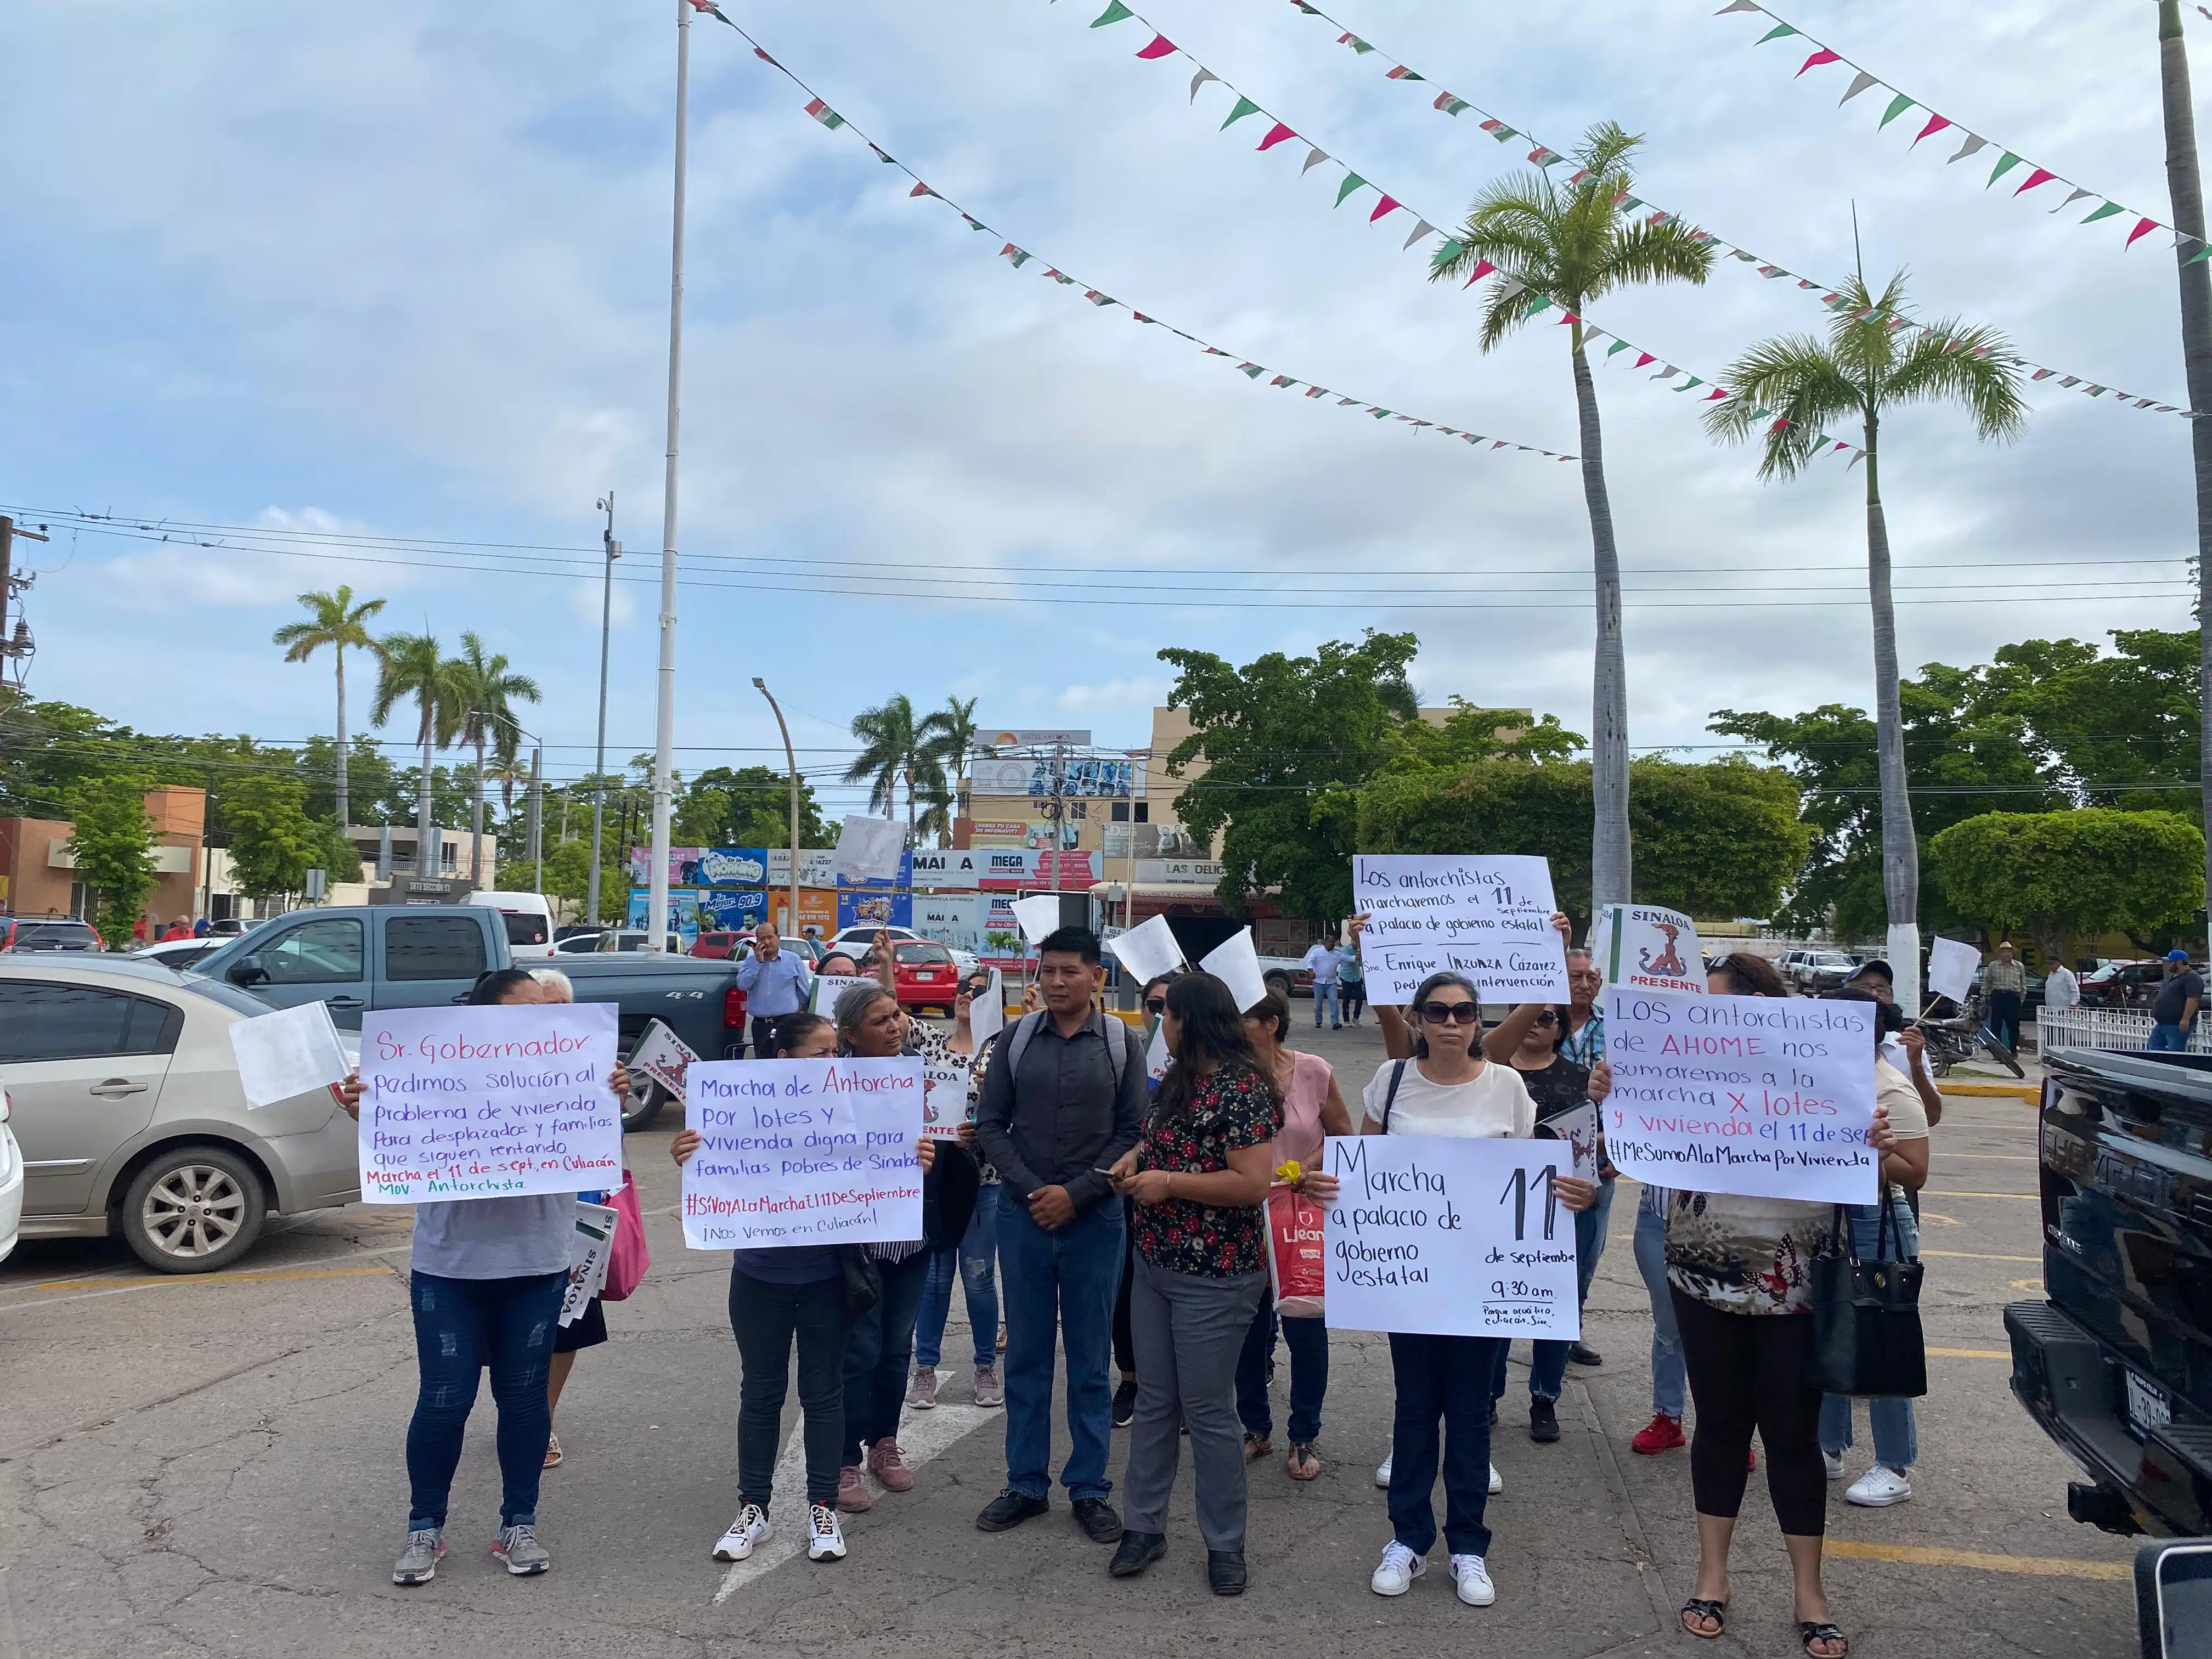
626	940
718	946
125	1104
232	926
361	958
2115	1362
925	973
11	1181
1813	971
577	943
857	941
2122	985
178	953
47	933
529	922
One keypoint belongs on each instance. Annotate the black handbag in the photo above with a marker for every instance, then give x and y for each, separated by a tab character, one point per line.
864	1279
1866	1318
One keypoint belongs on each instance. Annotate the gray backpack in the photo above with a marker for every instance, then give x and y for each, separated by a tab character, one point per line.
1117	1053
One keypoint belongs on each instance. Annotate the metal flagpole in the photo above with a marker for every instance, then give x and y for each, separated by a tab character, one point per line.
656	923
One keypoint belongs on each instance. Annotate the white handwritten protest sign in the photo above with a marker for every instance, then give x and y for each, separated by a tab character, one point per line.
945	1096
1451	1237
802	1152
1648	947
1766	1096
868	850
488	1103
828	987
1488	918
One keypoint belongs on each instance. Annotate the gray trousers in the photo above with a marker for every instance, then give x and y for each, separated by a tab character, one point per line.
1188	1331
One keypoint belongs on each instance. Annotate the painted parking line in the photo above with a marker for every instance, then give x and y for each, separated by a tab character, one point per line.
2023	1198
922	1435
1969	1354
1927	1555
1969	1255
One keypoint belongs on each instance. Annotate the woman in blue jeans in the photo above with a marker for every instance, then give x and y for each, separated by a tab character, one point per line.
975	1259
485	1278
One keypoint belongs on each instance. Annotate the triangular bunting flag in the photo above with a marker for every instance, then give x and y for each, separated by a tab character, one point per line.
1251	371
1316	392
1644	360
1421	228
1402	73
1860	82
1243	107
1897	106
1388	204
1686	385
2043	375
1115	12
1098	299
1448	251
1715	392
1199	80
2200	255
1020	257
1347	402
1282	380
1276	134
2104	212
2006	163
1161	47
1617	348
1823	56
883	154
1667	373
1935	125
1482	269
1497	129
1449	104
1538	303
1314	159
1354	42
1542	157
1352	181
920	189
2147	224
1970	147
1215	351
2040	175
1780	31
1739	5
2077	195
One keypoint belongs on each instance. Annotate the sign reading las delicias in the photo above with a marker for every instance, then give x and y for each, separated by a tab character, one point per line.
488	1102
802	1152
1757	1096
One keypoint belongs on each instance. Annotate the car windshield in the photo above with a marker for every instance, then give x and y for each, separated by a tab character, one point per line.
229	996
916	953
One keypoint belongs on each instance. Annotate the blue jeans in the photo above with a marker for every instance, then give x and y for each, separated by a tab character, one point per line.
463	1326
1325	997
1060	1285
2168	1040
1308	1340
1548	1360
1670	1376
1442	1380
876	1352
975	1260
1896	1439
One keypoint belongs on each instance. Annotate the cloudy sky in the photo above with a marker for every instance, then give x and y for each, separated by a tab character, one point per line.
400	273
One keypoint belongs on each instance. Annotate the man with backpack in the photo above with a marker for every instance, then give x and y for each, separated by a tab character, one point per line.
1063	1097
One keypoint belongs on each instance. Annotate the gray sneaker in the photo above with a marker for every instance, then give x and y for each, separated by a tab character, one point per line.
922	1395
519	1547
418	1562
989	1390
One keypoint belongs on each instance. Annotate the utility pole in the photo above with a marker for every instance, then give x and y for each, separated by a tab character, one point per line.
613	550
8	530
538	811
664	758
791	760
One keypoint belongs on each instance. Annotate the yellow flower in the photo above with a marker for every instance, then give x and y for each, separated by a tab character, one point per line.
1290	1172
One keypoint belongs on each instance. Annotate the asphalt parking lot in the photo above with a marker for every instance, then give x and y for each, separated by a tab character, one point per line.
212	1466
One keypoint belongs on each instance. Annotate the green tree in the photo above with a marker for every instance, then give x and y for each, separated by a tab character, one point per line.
1282	739
368	776
568	875
487	690
112	839
1794	388
2070	876
1571	245
949	734
335	855
415	665
335	620
2121	725
1722	839
273	842
896	746
746	807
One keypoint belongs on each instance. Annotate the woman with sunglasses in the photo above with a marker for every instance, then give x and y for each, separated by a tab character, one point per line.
974	1261
1447	1088
1154	1001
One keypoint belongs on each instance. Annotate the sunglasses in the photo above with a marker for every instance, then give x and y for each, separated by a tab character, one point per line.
1450	1013
1547	1017
1156	1005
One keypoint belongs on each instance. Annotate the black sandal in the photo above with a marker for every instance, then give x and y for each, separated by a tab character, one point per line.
1702	1608
1811	1631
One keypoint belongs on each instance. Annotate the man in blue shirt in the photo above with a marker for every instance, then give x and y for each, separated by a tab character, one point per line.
776	983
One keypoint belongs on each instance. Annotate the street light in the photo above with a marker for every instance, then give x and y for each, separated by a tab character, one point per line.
606	504
792	760
663	757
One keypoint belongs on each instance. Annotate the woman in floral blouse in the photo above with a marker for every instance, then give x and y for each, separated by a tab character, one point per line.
1197	1179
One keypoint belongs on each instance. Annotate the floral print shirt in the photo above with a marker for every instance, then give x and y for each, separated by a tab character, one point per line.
1228	1111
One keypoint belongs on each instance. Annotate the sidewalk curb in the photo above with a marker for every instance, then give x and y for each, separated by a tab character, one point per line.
2027	1091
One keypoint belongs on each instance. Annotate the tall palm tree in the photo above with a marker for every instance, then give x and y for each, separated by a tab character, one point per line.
1794	388
338	621
414	665
896	746
950	735
2185	188
1565	246
487	690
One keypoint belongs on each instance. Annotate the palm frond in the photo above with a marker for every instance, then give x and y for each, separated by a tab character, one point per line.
1795	378
1640	253
1975	368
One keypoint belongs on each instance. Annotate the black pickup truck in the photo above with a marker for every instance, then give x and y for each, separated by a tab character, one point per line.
2115	1364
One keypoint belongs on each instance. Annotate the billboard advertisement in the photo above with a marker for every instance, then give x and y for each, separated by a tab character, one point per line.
953	919
748	867
858	908
1032	776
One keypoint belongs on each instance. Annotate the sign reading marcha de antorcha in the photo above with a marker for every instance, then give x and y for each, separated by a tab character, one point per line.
488	1102
1763	1096
1442	1236
1488	918
802	1152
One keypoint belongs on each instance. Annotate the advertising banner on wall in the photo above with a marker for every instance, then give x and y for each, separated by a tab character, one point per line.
1032	776
953	919
857	908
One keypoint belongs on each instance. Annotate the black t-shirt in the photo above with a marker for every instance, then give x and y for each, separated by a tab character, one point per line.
2172	999
1559	1087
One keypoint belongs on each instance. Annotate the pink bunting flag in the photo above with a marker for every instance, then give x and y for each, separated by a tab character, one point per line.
1935	125
1276	134
2040	176
1823	56
2147	225
1715	393
1643	358
1568	316
1781	423
1388	204
1482	269
1160	47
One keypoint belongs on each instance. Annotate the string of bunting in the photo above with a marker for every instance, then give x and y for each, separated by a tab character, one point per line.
1017	256
1971	143
1351	182
1543	156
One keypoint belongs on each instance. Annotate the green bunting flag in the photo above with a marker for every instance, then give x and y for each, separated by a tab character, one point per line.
1243	107
1897	106
1778	32
1352	181
2104	212
1115	12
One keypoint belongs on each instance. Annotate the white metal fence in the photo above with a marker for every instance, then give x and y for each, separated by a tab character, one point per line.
2106	1028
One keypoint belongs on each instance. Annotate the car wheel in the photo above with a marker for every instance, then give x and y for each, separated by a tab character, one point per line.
194	1210
1280	985
645	1099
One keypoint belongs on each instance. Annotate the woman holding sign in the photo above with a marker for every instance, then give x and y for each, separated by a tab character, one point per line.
974	1261
1197	1179
1447	1088
486	1278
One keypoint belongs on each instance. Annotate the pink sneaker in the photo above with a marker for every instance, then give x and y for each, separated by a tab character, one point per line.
888	1467
851	1491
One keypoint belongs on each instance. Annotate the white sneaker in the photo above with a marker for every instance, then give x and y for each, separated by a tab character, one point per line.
825	1536
1382	1475
1400	1567
1497	1486
1879	1487
747	1531
1835	1464
1473	1578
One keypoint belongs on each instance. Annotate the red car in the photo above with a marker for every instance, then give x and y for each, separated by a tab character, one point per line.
926	975
719	947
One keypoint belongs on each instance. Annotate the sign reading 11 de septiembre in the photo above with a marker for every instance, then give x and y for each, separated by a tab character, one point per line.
1488	918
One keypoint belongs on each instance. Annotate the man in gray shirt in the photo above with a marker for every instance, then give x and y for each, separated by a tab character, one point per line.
1063	1097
